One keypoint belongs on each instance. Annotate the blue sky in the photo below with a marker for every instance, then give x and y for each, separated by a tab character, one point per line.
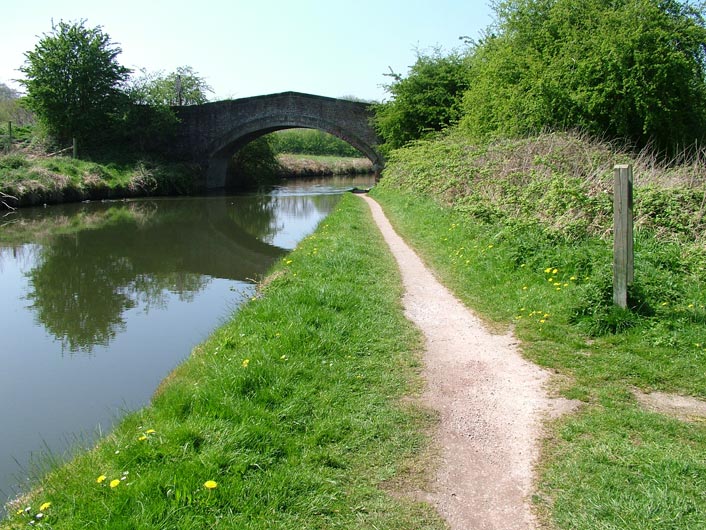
246	48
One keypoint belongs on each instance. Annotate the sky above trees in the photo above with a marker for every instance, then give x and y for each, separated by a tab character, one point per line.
245	48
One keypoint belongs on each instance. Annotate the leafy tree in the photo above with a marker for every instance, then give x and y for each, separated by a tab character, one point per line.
632	69
427	100
310	142
73	80
7	93
149	120
11	108
182	87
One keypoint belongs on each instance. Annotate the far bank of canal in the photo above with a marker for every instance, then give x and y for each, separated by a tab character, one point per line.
102	300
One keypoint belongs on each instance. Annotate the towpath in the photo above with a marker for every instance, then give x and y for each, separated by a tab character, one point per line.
491	403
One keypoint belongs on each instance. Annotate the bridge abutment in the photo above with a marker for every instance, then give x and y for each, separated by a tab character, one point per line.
210	134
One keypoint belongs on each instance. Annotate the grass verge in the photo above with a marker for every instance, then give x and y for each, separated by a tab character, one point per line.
27	180
288	416
512	259
295	165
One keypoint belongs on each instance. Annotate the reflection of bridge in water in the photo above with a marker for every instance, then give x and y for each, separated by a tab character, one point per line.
136	253
211	133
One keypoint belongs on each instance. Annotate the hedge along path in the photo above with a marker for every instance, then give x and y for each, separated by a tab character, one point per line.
490	400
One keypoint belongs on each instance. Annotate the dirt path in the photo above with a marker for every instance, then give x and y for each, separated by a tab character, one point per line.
491	402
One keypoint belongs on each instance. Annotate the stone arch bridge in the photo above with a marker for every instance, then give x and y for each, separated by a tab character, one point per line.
211	133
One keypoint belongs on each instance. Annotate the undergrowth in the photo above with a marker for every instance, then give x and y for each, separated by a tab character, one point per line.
521	231
289	416
33	179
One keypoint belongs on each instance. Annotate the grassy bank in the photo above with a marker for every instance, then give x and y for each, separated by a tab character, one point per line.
27	179
294	165
289	416
520	231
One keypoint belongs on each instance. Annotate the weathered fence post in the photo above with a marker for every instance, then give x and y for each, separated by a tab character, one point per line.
623	257
75	148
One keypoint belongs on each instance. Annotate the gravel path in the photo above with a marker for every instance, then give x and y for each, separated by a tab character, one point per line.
490	400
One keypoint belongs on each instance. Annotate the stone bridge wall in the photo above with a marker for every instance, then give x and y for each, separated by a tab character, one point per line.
211	133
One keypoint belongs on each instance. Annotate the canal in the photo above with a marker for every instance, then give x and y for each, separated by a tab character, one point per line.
100	301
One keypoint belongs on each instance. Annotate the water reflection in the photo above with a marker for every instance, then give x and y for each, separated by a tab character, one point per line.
136	285
85	281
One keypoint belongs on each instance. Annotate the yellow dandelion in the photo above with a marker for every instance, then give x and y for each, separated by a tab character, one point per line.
150	431
246	362
101	479
573	278
524	288
44	506
114	483
554	271
142	438
210	484
542	321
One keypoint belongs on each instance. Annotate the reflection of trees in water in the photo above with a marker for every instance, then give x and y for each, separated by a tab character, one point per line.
84	281
265	216
80	295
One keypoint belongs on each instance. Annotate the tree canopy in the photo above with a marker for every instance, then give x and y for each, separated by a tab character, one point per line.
631	69
184	86
427	100
73	80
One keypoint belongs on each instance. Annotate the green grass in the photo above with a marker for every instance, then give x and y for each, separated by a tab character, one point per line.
293	408
36	180
611	464
312	165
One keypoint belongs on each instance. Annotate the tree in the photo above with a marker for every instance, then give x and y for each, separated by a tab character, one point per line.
184	86
11	108
427	100
7	93
73	80
630	69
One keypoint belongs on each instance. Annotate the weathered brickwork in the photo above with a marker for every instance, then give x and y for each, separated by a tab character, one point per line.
211	133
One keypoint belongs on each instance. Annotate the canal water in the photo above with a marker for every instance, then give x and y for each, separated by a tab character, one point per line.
100	301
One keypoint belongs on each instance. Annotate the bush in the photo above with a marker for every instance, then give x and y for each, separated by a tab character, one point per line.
631	69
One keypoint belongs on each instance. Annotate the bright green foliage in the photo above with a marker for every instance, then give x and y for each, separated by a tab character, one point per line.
520	230
149	121
184	86
290	416
310	142
427	100
73	80
632	69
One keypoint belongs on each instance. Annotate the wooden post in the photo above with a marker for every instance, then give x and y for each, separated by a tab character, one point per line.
75	148
623	256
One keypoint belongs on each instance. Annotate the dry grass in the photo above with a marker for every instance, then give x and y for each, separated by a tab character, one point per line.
563	180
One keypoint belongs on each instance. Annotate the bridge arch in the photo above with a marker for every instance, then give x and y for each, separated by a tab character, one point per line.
223	149
213	132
